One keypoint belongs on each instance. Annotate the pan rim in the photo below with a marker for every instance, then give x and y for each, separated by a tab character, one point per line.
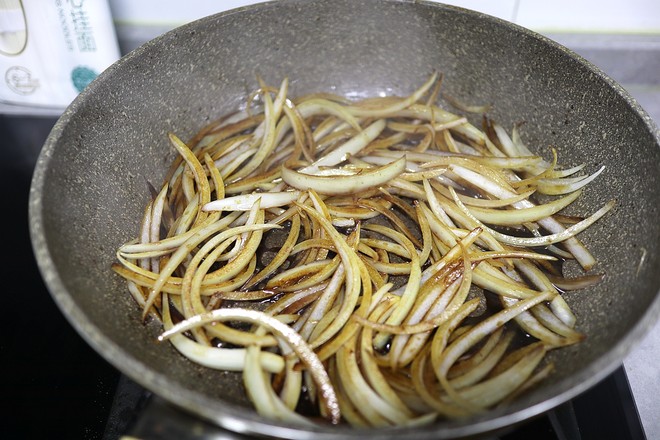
237	419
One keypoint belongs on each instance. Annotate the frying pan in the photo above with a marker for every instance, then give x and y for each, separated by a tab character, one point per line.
88	189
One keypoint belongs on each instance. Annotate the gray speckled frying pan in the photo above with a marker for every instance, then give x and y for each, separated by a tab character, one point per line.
89	183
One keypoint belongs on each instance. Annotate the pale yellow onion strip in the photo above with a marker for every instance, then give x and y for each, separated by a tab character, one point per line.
541	281
405	329
156	221
190	297
483	108
374	409
261	394
556	174
320	106
350	184
292	385
183	223
434	294
416	176
518	182
244	202
385	111
350	212
425	228
349	148
546	317
447	303
438	344
321	325
396	221
388	246
144	278
511	254
514	356
451	255
303	276
494	280
510	149
438	313
579	251
323	303
145	235
533	327
188	184
377	279
457	147
483	203
228	163
498	176
227	359
443	361
302	134
520	146
245	250
445	222
255	215
520	216
216	177
481	369
311	243
367	251
198	172
535	379
372	372
350	328
546	239
492	391
348	411
412	286
474	359
258	386
351	264
197	270
272	111
280	257
294	301
428	392
450	355
291	338
219	330
416	128
171	244
235	143
184	250
414	171
252	183
566	185
575	283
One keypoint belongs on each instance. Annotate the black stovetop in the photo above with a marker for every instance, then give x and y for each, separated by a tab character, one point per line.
57	387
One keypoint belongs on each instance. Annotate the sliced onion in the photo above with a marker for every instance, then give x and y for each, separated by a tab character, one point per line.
292	338
246	201
338	185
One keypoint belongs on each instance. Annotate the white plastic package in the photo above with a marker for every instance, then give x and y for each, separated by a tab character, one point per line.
50	50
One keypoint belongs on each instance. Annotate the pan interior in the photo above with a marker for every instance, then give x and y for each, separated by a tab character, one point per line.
89	188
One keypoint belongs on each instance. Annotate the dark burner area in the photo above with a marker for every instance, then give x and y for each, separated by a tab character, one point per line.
56	387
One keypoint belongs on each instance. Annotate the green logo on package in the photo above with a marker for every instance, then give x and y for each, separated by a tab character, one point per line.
81	77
